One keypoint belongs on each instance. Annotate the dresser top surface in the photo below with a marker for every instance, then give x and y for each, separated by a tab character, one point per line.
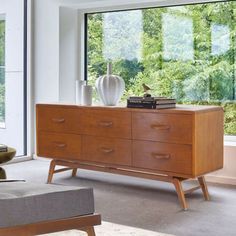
178	109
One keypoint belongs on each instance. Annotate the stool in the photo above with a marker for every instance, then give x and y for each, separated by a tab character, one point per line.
5	157
29	209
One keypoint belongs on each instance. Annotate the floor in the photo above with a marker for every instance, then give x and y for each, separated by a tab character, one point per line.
146	204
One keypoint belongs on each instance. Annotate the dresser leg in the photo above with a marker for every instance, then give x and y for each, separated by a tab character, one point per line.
180	193
203	185
74	172
51	171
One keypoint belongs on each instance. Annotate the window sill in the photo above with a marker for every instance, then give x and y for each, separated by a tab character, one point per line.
230	144
230	141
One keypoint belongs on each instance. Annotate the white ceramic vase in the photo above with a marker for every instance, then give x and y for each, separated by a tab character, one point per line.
110	87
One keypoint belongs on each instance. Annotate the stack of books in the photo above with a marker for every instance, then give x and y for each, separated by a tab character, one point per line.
151	102
3	148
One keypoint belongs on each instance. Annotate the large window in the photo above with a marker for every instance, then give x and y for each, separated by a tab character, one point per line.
13	74
187	52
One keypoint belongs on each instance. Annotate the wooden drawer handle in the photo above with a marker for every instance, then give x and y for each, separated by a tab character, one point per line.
106	150
60	145
58	120
105	123
161	156
160	127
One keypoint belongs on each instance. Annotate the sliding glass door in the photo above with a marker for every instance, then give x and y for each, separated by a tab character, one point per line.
12	108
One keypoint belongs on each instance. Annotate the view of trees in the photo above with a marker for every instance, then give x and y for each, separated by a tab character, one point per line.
186	52
2	71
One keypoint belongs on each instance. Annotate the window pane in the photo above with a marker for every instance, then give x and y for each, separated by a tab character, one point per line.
2	72
122	33
177	37
186	52
12	132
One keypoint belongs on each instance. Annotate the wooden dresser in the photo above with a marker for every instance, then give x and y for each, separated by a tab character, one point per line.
170	145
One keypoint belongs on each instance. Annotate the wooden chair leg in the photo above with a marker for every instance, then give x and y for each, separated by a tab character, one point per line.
51	171
74	172
204	188
90	231
180	193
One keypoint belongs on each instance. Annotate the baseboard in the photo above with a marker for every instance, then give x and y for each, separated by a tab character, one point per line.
19	159
221	179
35	157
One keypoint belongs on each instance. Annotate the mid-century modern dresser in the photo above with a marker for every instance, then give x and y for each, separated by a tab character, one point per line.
170	145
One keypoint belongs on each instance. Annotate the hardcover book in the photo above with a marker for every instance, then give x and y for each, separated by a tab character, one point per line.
151	102
3	148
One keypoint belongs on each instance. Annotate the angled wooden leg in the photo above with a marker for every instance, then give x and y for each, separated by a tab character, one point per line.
180	193
74	172
203	185
90	231
51	171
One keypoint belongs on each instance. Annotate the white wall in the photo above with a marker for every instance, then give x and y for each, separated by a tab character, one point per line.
228	174
68	53
46	49
54	83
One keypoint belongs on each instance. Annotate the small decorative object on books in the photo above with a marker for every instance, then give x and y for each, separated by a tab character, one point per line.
3	148
151	102
145	90
110	87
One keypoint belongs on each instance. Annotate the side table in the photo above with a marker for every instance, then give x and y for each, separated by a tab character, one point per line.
5	157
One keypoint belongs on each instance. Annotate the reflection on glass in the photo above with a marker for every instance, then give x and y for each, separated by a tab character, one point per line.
177	37
220	38
122	33
2	72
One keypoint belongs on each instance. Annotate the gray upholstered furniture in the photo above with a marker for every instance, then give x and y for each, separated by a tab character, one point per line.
31	209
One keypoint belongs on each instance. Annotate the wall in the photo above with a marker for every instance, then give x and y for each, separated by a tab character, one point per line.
228	174
68	53
54	83
46	49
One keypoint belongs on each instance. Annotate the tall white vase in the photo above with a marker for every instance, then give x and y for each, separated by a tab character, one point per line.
110	87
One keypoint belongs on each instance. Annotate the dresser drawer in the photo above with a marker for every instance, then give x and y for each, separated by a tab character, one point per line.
62	146
162	127
164	157
106	150
107	123
58	119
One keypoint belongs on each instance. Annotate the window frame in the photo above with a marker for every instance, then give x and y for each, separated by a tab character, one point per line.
25	75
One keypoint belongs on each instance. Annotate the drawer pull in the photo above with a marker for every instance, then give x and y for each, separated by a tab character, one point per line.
106	150
58	120
105	123
160	127
60	145
161	156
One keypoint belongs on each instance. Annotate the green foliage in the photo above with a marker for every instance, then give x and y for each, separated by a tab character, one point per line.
198	76
2	43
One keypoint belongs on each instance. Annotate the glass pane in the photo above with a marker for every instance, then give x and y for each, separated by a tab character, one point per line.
2	72
12	74
177	37
186	52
